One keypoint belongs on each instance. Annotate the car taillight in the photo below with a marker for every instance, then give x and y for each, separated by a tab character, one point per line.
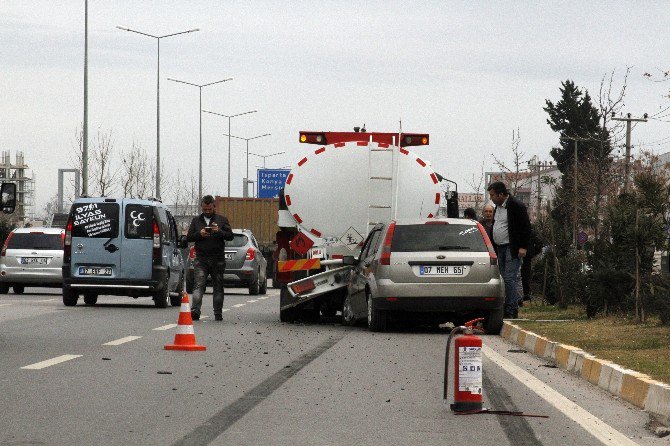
67	241
4	247
492	253
303	287
386	249
251	253
157	241
191	253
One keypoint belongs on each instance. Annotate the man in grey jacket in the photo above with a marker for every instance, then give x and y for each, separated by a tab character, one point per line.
209	231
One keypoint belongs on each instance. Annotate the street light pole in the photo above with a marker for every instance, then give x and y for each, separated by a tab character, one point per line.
247	140
200	87
574	180
84	136
158	98
229	118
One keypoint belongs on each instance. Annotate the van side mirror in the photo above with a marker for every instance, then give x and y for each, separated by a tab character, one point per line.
183	243
349	260
8	197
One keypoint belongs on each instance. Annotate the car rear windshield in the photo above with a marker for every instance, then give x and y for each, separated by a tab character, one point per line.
438	237
239	241
35	240
139	221
95	220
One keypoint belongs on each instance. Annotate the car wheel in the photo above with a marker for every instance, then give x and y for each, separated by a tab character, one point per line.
161	296
377	319
175	301
493	322
189	282
264	287
90	298
70	297
4	288
18	289
255	288
288	315
348	316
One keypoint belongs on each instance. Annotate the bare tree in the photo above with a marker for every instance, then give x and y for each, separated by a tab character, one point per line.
513	174
104	172
476	184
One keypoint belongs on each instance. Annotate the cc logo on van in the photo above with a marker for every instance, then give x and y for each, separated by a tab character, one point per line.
137	218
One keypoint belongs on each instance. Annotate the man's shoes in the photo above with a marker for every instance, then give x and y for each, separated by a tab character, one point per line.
195	316
526	297
521	302
218	317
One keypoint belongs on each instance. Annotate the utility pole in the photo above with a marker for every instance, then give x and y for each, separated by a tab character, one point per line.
537	167
574	180
628	120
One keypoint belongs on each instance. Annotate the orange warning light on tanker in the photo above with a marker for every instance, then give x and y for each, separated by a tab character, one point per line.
303	138
424	140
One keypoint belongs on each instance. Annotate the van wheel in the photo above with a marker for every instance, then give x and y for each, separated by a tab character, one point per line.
4	288
161	296
90	298
264	287
18	289
377	319
175	301
70	297
493	322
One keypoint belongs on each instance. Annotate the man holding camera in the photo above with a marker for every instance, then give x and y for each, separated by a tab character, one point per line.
209	231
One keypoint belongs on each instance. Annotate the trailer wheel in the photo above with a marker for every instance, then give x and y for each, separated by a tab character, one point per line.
288	315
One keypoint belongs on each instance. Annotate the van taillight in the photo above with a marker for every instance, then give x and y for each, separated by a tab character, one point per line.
492	253
386	249
157	241
251	253
67	241
4	247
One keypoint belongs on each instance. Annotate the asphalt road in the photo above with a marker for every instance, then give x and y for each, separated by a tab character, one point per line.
262	382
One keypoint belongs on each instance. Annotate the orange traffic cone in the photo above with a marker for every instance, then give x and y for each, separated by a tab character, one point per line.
184	339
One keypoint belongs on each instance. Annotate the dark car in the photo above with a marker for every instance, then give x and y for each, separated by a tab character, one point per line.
439	269
245	264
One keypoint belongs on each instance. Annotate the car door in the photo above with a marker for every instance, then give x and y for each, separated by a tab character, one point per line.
96	240
359	276
137	249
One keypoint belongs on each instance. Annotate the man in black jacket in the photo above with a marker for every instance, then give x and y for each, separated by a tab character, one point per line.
209	231
511	238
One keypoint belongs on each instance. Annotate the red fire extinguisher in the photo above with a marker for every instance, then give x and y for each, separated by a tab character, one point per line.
467	370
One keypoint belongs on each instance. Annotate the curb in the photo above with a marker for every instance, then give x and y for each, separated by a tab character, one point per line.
636	388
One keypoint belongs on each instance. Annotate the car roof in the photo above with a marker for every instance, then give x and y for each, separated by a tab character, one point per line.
38	229
146	201
421	221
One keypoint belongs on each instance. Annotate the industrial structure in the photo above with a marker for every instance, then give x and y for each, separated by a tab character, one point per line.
18	173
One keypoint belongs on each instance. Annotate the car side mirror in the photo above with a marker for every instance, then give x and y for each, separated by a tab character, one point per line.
8	197
183	243
349	260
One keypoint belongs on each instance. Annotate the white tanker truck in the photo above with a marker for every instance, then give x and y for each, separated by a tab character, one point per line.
332	197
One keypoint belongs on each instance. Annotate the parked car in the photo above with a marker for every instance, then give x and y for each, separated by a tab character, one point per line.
31	257
443	269
125	247
245	264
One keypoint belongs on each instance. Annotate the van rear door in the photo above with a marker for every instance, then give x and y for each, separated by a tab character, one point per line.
96	246
136	255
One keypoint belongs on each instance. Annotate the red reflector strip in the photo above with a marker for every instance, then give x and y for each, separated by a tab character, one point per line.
392	299
288	200
490	299
362	143
303	287
289	179
337	256
436	222
434	178
430	215
321	150
302	161
383	145
298	265
315	232
297	218
404	152
339	144
421	162
437	198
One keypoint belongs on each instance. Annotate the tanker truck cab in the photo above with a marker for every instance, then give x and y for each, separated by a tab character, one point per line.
126	247
334	195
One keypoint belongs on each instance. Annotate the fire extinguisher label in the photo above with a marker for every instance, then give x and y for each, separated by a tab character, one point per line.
470	370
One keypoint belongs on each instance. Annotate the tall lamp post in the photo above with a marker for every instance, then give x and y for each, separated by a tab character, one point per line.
200	87
84	131
574	179
158	97
247	140
229	118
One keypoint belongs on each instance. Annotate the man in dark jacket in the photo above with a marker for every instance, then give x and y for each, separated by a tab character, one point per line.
511	238
209	231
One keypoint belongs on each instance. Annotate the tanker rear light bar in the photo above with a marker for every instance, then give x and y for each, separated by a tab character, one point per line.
313	138
415	139
325	138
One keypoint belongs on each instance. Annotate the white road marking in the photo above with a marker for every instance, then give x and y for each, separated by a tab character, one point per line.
50	362
166	327
264	297
4	305
225	309
47	300
238	305
205	317
251	301
122	340
592	424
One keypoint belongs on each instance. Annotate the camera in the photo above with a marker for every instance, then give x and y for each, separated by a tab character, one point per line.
208	229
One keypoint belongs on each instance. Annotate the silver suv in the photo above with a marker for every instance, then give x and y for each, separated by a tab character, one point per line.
31	256
245	264
443	269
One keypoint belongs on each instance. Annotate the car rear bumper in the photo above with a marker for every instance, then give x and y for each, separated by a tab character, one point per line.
439	304
237	276
52	276
116	286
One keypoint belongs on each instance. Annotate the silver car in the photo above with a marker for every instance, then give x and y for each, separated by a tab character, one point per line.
31	256
441	269
245	264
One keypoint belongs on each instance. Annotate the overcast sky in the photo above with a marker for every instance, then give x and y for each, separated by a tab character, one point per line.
468	73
